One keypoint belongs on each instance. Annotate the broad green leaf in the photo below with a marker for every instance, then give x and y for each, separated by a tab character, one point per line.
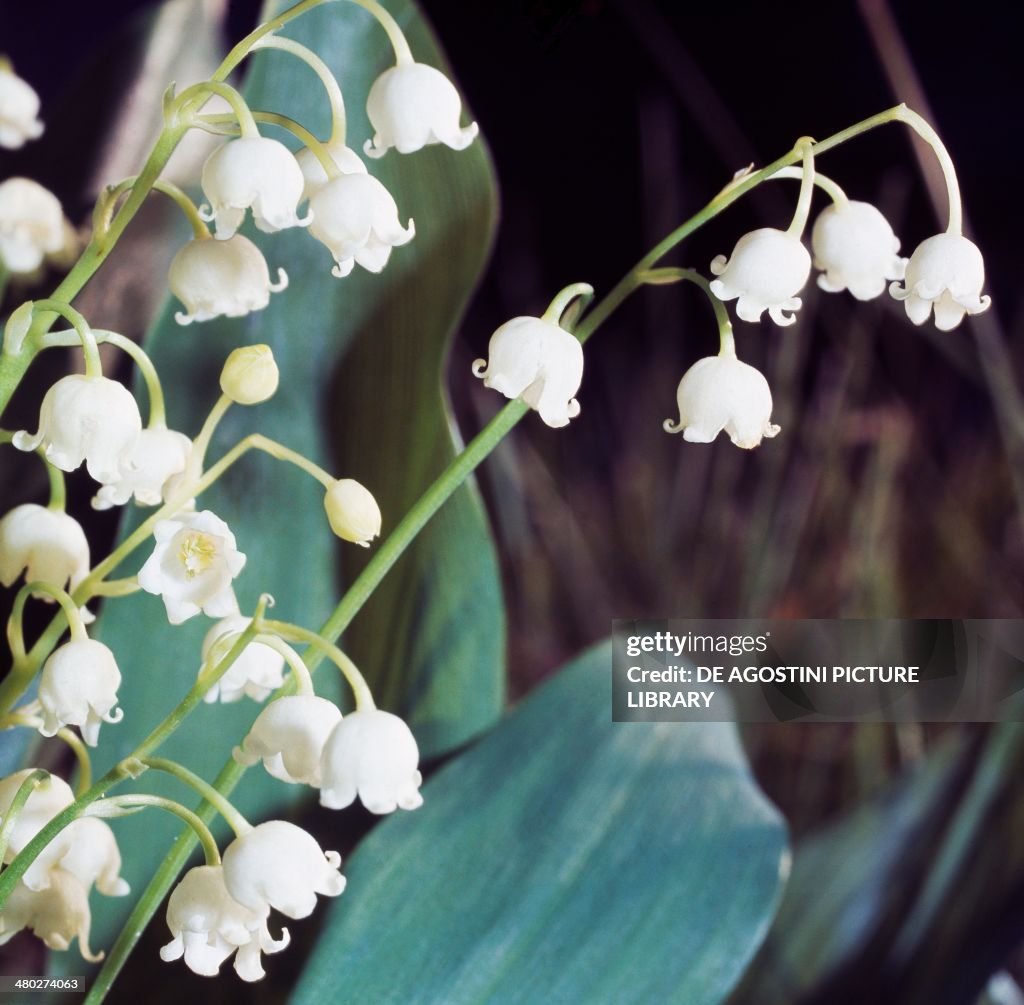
433	636
565	858
376	340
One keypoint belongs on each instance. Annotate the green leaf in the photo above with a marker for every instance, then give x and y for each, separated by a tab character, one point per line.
372	344
565	858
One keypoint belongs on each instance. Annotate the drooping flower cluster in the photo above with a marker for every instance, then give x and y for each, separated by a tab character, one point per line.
410	106
855	249
207	925
369	753
90	420
52	897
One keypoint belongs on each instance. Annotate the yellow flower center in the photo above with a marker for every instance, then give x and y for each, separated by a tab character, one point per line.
197	553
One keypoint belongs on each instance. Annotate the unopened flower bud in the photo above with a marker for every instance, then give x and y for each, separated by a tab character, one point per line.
353	512
250	375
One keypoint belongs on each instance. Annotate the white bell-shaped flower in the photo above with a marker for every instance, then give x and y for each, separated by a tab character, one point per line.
19	110
57	914
289	737
31	224
47	545
278	865
192	566
89	852
766	270
158	455
86	418
48	798
413	105
258	671
537	361
226	278
721	392
85	848
252	172
945	271
374	755
352	512
345	159
207	925
78	687
856	249
355	216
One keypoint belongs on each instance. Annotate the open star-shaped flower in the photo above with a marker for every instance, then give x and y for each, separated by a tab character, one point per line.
192	566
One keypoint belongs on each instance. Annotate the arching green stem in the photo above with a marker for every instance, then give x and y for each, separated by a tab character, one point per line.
207	88
828	185
670	274
157	410
303	681
81	752
403	54
119	806
58	489
224	125
563	298
108	200
296	633
398	42
803	205
924	129
238	824
25	790
202	442
83	332
71	612
257	441
320	68
117	587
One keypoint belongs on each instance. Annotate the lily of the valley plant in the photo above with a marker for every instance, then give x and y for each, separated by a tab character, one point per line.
55	843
